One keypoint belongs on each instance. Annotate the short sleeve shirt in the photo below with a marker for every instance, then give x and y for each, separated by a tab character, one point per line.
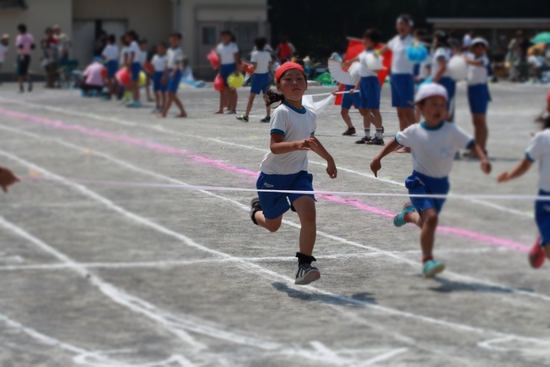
134	49
364	70
24	43
262	60
293	125
174	57
478	74
400	64
539	150
227	52
110	52
434	148
159	62
444	53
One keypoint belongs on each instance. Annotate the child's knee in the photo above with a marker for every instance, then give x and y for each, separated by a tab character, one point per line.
430	218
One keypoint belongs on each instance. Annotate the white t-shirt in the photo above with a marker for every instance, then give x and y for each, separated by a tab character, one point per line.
441	52
110	52
294	126
123	51
400	64
478	74
539	149
142	57
434	149
467	40
262	60
227	52
3	52
364	70
159	62
134	49
174	56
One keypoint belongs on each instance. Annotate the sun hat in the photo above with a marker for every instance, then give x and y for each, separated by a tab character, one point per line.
286	67
430	90
478	40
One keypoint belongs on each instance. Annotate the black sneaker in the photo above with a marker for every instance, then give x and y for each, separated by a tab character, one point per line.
266	119
242	118
349	132
376	141
255	207
307	274
364	140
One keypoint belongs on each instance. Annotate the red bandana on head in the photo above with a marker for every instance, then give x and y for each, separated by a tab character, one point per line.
288	66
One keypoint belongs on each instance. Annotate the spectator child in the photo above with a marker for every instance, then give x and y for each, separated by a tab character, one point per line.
93	80
4	42
228	53
132	62
172	75
159	65
110	55
25	44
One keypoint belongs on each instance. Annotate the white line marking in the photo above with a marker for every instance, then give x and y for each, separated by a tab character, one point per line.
163	318
173	132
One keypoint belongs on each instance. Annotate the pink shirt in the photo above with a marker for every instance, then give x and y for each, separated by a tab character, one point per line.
26	40
93	74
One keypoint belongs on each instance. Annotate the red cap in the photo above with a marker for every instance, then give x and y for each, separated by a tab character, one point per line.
288	66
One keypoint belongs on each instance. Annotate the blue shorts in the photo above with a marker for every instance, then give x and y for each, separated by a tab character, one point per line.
450	86
479	98
370	92
275	204
351	99
402	90
420	184
542	217
135	70
173	84
157	82
260	83
226	70
112	68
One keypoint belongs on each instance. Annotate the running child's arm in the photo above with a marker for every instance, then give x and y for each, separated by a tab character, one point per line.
516	172
323	153
237	57
277	144
485	164
376	164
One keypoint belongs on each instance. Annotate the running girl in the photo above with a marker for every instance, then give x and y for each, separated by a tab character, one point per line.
285	166
538	149
434	144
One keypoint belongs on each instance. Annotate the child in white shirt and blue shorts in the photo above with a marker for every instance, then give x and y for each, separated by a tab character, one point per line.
228	53
159	66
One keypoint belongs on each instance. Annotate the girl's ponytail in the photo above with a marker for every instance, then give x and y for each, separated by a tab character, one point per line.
272	97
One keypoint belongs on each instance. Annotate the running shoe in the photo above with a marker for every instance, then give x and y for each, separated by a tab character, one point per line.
364	140
242	118
133	104
350	131
266	119
432	268
399	219
376	141
307	274
537	255
255	207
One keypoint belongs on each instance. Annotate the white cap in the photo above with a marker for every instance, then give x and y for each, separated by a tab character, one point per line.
480	40
431	90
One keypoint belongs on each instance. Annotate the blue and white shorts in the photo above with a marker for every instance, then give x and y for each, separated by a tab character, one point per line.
135	70
542	217
370	92
479	98
276	204
402	90
260	83
351	99
420	184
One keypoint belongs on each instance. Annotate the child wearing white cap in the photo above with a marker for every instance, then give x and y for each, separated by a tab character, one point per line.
478	91
434	144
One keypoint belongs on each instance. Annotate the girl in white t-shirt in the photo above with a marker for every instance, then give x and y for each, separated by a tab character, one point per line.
538	150
402	73
284	167
228	53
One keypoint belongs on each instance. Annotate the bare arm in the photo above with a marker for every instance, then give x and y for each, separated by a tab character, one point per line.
516	172
237	63
323	153
376	164
277	144
441	71
473	62
485	164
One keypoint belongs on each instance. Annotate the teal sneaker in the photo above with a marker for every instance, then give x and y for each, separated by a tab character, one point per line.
432	268
399	219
